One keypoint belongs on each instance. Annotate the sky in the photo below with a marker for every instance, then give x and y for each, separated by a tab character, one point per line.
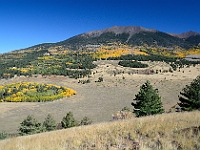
25	23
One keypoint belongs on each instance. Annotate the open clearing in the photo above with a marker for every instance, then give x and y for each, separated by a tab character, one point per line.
97	100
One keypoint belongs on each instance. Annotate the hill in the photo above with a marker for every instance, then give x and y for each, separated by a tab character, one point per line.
167	131
131	35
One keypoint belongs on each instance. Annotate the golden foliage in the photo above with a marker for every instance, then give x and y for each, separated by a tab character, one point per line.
137	52
32	91
106	52
191	51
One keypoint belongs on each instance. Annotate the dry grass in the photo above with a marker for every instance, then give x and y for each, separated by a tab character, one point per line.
98	101
166	132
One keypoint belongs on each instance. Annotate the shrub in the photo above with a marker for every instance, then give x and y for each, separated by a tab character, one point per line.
100	79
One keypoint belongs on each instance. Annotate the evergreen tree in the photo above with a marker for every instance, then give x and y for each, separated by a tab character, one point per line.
147	101
30	125
190	96
3	135
85	121
49	123
68	121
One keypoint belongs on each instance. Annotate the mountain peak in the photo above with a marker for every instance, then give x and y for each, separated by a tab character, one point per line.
187	34
119	30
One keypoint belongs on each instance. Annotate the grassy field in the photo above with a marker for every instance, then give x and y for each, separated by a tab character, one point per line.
171	131
96	100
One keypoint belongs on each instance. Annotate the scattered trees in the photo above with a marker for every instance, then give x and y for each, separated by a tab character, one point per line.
30	124
190	96
147	101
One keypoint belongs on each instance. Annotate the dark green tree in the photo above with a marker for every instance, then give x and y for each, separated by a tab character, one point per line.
85	121
147	101
68	121
3	135
190	96
49	123
30	125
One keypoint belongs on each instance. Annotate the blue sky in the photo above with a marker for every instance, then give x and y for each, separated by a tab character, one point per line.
24	23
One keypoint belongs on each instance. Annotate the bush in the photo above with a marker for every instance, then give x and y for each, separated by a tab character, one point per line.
100	79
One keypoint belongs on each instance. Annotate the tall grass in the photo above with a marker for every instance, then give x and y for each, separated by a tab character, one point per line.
167	132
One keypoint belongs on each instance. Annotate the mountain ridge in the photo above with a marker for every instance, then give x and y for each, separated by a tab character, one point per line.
187	34
132	35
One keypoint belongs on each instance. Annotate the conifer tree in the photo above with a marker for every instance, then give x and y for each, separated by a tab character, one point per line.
147	101
49	123
68	121
30	125
85	121
190	96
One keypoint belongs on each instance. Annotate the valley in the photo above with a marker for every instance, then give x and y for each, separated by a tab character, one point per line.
97	100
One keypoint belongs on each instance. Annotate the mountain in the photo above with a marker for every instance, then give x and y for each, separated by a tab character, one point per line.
186	35
131	35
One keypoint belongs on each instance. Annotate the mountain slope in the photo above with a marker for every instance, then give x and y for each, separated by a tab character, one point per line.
186	35
131	35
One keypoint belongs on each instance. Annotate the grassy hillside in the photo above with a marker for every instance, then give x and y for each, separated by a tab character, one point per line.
167	131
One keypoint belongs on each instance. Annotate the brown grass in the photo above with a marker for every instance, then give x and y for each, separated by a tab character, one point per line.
167	131
98	101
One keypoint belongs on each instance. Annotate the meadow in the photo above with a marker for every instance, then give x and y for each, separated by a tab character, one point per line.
167	132
97	100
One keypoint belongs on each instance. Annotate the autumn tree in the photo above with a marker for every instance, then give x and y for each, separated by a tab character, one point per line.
147	101
190	96
49	123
